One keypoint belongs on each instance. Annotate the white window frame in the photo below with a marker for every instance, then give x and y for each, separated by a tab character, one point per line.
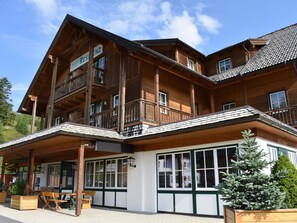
174	170
55	168
278	106
228	106
223	65
115	104
93	172
216	166
191	64
57	121
164	102
116	173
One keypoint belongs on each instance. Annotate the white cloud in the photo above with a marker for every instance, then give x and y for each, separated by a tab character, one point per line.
182	27
210	23
47	8
19	87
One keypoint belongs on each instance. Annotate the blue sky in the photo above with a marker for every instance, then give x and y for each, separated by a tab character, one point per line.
27	27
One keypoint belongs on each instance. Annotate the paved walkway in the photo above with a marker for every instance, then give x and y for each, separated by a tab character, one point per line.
98	215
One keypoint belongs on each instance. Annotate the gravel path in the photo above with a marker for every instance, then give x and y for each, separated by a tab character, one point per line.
94	215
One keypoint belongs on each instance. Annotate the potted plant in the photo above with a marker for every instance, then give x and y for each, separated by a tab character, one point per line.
252	195
19	200
2	192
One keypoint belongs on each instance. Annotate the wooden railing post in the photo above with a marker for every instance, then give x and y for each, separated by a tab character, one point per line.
122	93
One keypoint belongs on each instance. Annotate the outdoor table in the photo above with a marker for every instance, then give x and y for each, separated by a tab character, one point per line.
72	197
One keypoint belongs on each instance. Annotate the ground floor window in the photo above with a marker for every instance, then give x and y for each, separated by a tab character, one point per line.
111	173
276	152
54	171
174	170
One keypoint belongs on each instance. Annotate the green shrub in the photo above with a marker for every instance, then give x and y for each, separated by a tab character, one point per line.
18	187
288	182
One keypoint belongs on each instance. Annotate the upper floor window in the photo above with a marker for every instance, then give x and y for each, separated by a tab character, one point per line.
224	65
191	64
115	104
57	121
278	100
163	102
228	106
99	70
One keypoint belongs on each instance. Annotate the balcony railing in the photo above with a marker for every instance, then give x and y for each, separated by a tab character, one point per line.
286	115
70	86
138	110
79	82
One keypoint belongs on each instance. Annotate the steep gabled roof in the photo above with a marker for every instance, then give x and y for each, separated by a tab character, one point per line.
281	47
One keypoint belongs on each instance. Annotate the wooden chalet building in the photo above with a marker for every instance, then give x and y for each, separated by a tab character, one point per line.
150	124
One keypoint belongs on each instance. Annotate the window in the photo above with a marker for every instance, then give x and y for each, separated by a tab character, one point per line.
99	70
210	164
94	174
115	104
116	173
174	170
278	100
224	65
191	64
276	152
53	175
228	106
57	121
163	102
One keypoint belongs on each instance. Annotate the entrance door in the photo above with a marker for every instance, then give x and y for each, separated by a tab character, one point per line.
67	176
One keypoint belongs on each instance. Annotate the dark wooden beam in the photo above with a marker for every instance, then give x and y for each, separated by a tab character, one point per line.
122	92
80	173
52	96
212	102
34	99
30	181
157	96
3	169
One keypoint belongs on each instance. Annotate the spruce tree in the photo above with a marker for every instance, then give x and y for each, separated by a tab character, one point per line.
288	183
251	189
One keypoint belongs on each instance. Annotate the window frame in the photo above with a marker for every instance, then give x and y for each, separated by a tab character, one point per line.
93	174
216	167
174	171
191	64
278	101
115	173
163	104
224	65
229	105
115	98
57	167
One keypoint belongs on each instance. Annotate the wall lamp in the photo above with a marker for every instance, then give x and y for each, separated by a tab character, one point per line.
131	161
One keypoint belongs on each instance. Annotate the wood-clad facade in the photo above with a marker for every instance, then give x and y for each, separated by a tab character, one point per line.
103	99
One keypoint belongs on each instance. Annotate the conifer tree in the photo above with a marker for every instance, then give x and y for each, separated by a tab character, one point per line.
288	183
251	189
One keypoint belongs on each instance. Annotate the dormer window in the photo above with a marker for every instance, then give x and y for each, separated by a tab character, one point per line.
224	65
191	64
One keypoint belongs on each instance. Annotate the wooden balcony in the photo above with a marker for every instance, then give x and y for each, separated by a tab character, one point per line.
286	115
79	82
136	111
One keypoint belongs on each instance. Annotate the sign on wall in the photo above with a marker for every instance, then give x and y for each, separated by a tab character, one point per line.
85	58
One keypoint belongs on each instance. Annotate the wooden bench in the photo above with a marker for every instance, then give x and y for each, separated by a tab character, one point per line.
52	197
87	198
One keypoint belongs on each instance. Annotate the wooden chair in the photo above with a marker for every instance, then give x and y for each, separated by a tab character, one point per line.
87	198
52	197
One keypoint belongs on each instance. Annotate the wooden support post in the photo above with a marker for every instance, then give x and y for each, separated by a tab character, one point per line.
42	122
157	96
89	84
52	96
3	169
80	173
122	93
244	93
192	98
31	162
212	102
34	99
